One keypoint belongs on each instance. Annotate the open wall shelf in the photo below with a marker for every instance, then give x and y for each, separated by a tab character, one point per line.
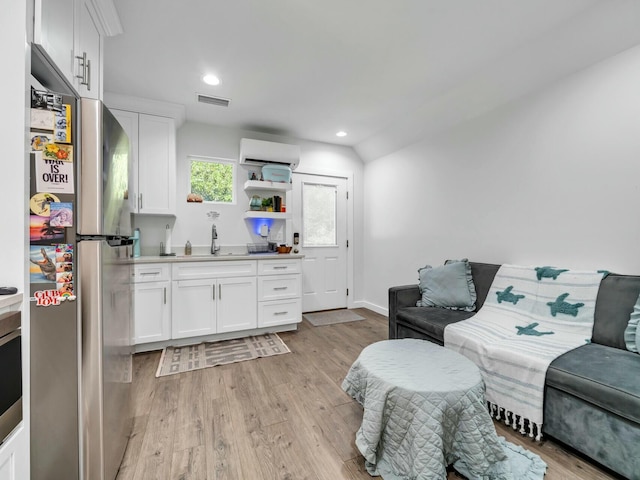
251	185
261	214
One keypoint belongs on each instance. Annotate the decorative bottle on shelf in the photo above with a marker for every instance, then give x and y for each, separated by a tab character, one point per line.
255	203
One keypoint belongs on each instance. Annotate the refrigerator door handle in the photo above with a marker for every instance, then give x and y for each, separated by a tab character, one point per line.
91	377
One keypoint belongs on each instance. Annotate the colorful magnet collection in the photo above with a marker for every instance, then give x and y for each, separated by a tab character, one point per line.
50	257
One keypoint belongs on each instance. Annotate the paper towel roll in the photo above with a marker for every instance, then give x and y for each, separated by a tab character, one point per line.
167	240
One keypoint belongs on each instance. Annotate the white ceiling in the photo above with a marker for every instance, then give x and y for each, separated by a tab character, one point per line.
387	72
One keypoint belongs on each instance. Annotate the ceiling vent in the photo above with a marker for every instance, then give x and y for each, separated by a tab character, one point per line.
218	101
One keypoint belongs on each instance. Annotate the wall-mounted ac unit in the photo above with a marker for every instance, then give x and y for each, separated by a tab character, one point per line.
261	152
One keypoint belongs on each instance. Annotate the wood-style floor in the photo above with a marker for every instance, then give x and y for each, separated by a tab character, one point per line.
282	417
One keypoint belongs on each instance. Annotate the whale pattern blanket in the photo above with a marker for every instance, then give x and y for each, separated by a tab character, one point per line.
531	316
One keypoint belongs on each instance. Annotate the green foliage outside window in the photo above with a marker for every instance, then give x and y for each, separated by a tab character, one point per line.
212	180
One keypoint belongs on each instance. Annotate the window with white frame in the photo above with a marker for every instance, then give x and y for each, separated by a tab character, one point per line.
213	179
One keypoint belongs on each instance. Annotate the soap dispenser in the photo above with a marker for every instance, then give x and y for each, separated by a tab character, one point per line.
187	248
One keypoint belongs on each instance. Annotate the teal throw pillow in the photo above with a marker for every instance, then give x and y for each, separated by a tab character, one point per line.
632	332
449	286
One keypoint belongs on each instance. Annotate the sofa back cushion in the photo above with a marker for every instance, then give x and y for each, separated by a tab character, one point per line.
616	298
483	274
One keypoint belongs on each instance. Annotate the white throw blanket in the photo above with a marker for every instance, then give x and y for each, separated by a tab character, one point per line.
531	316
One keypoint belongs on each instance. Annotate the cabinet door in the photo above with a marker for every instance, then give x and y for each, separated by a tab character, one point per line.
237	305
156	164
129	122
53	30
14	458
193	308
152	321
88	71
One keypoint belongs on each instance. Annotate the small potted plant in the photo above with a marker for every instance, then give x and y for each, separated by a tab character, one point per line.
267	204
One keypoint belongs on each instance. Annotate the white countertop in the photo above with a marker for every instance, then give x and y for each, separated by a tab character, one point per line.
8	300
214	258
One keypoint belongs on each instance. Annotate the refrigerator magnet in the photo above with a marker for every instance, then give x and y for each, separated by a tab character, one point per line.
42	269
56	151
66	291
43	99
41	232
61	214
47	298
62	131
53	175
64	253
39	140
42	119
40	203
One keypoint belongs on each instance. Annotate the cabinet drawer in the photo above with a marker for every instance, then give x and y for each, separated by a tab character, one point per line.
279	312
151	272
278	267
231	268
275	287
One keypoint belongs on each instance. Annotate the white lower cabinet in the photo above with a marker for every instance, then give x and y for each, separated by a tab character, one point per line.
14	455
152	303
236	305
279	312
214	299
279	292
193	310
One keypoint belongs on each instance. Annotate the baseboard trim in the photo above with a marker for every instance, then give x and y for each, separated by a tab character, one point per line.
371	306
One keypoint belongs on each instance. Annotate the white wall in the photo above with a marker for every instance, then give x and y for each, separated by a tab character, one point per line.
193	224
13	128
553	178
13	193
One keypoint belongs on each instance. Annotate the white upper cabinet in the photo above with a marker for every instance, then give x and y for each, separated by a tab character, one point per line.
71	33
152	169
156	165
88	53
53	30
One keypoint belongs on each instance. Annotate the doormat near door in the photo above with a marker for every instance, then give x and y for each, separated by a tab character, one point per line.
330	317
209	354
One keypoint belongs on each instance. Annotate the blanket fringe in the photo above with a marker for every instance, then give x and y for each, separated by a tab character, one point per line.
516	421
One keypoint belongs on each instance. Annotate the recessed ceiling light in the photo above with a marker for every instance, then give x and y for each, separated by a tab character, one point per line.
341	134
211	80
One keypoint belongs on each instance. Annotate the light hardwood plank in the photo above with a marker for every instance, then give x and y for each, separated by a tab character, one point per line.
283	417
190	416
189	464
157	446
220	442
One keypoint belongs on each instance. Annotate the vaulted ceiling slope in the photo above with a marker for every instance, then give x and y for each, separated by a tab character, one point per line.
388	73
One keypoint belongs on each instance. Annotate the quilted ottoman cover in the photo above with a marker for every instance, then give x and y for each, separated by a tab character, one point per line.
424	409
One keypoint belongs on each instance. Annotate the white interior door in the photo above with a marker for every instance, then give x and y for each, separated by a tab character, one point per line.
320	217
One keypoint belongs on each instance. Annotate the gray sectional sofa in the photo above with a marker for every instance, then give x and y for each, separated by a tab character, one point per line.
592	393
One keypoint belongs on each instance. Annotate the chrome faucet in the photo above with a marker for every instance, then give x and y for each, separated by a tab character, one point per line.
214	236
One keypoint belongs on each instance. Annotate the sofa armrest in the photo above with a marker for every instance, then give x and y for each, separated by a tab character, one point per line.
401	296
